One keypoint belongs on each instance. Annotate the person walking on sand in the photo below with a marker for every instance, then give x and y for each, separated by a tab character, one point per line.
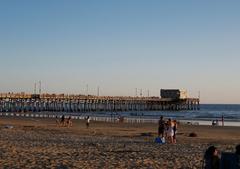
69	121
161	127
87	121
57	121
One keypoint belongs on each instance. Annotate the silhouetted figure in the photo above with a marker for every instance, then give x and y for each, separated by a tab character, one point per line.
62	123
174	131
69	121
230	160
161	127
238	155
211	158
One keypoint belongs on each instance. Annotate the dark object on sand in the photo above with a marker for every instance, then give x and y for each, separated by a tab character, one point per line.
149	134
8	126
192	134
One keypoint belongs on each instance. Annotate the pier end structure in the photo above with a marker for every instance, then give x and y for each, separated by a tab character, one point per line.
22	102
179	99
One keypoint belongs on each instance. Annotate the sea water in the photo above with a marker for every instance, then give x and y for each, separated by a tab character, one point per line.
207	113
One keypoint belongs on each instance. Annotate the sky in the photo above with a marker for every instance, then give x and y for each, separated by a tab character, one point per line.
119	46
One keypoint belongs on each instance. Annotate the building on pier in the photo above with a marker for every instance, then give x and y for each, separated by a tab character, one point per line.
173	93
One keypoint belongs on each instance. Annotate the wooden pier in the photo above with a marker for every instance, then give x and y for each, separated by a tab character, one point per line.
21	102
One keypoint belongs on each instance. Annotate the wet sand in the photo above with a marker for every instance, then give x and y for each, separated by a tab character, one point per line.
39	143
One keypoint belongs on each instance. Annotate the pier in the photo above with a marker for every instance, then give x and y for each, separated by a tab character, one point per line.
22	102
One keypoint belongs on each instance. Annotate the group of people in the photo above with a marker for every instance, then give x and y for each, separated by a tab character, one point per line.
167	129
218	122
227	160
63	122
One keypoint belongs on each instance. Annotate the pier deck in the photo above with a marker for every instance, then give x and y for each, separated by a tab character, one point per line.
14	102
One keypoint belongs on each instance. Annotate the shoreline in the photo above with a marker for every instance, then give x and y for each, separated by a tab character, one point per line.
209	122
139	119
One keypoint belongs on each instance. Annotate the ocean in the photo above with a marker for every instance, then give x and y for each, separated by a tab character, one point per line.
230	112
205	116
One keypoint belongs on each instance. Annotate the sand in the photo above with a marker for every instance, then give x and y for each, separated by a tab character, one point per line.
39	143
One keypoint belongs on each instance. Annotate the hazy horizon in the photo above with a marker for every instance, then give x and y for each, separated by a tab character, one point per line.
120	46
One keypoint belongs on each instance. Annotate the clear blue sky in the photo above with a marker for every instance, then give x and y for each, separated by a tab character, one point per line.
121	45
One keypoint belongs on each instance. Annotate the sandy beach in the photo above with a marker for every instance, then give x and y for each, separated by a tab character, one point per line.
39	143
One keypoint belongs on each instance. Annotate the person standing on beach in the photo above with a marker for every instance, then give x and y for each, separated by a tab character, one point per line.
161	126
57	121
174	131
170	131
62	122
87	121
222	120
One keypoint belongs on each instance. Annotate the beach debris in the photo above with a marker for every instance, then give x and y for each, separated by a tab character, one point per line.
193	134
8	126
29	126
160	140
